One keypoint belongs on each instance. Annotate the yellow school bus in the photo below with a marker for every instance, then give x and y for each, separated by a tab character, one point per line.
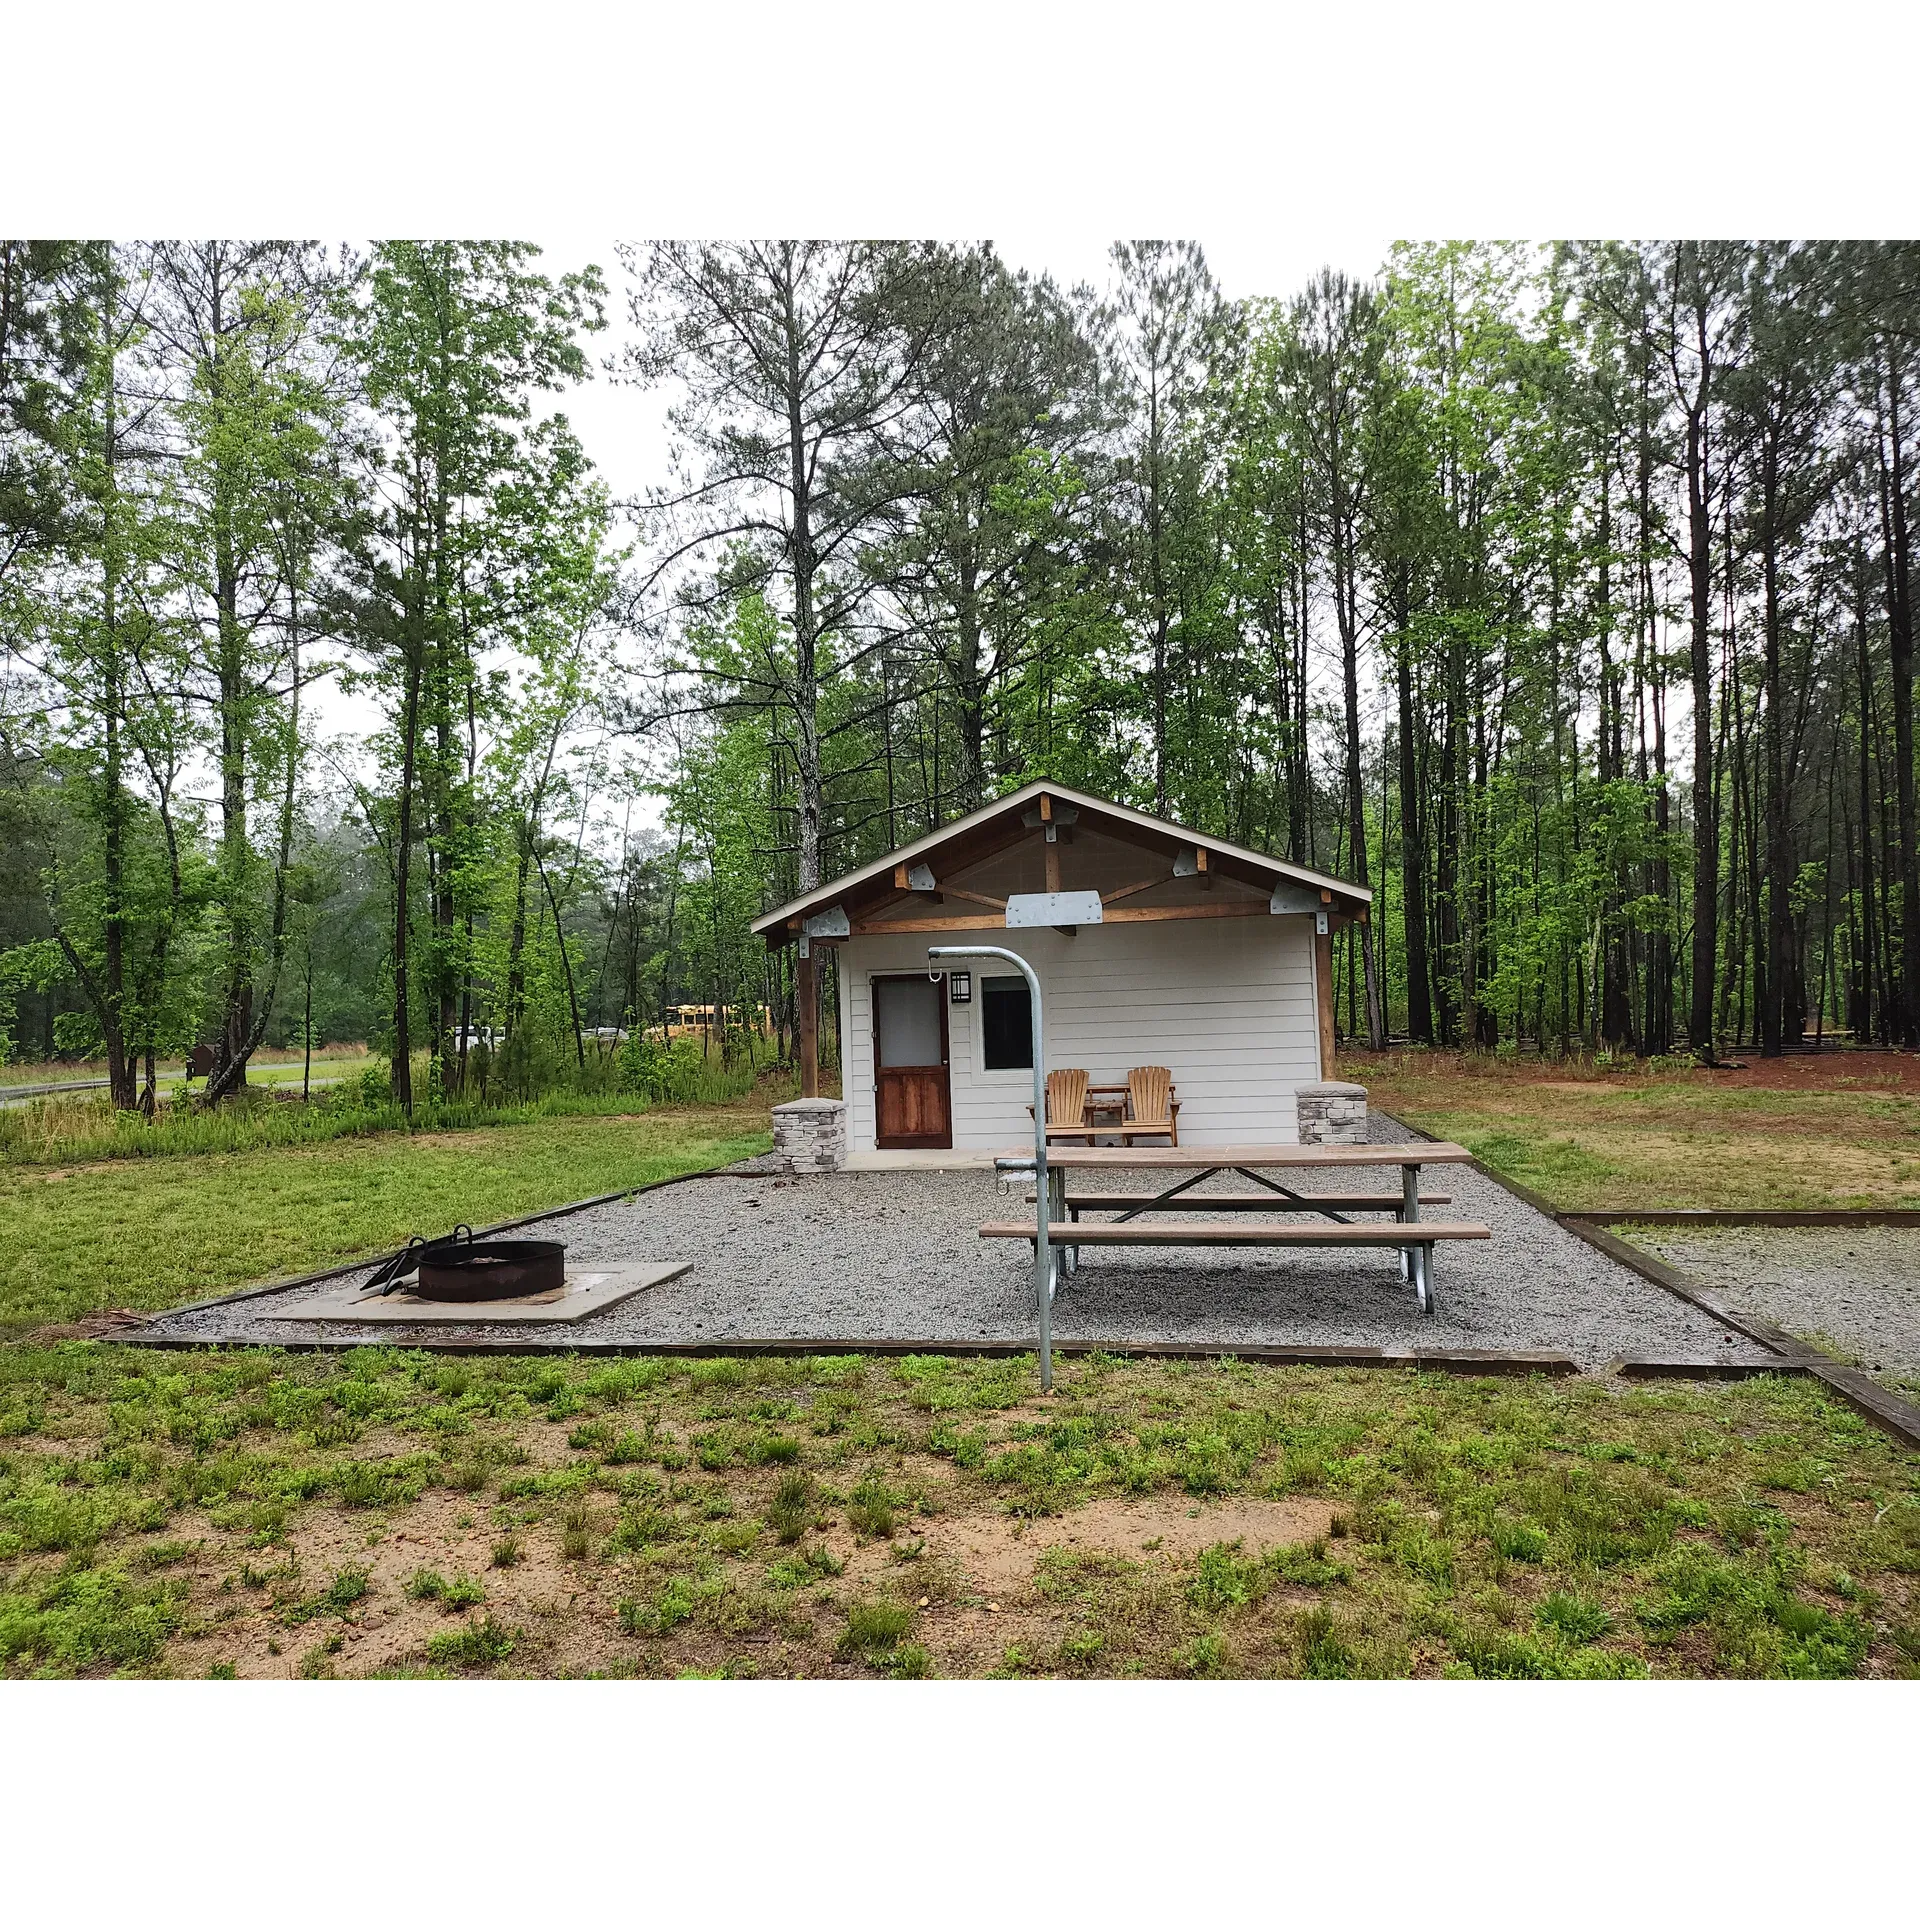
691	1022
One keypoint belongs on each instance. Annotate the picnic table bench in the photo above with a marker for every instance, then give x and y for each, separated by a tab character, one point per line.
1409	1233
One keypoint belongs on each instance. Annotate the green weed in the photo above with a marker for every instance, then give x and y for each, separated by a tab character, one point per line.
481	1644
87	1619
791	1509
870	1508
1206	1658
875	1626
1324	1654
1573	1617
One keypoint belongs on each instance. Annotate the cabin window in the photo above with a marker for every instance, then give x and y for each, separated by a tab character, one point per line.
1006	1024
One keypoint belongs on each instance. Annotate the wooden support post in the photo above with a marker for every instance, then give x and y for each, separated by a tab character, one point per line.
1048	831
1323	990
807	993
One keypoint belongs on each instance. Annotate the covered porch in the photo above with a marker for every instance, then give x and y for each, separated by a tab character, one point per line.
1154	947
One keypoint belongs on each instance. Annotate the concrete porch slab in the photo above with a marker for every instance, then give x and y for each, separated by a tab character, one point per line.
923	1159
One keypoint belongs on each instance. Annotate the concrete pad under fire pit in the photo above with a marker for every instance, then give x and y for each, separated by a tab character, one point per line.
584	1294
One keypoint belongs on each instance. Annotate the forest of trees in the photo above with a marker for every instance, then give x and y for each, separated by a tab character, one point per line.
1560	593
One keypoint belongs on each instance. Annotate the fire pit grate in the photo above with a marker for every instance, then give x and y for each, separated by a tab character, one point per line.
458	1267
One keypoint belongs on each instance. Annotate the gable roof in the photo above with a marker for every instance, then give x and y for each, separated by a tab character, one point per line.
977	835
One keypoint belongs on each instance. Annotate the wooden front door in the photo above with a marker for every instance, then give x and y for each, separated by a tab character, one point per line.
912	1098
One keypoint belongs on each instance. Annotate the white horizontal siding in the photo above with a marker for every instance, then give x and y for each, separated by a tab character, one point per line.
1227	1005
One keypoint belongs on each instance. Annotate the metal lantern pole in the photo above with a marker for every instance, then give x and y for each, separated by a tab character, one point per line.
1042	1291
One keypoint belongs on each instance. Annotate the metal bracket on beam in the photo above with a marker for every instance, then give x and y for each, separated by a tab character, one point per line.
1078	909
920	878
1052	818
1188	862
828	925
1288	898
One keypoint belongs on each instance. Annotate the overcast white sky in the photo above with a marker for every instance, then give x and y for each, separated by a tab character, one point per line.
624	429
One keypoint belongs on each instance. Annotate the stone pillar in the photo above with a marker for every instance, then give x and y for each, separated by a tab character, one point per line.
810	1136
1332	1113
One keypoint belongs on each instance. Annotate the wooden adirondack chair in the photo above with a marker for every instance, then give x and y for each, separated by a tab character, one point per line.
1067	1102
1151	1107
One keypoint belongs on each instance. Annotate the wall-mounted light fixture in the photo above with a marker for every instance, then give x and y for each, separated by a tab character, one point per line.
959	989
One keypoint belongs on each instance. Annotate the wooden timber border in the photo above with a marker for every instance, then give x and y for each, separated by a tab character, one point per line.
1865	1395
1886	1410
1746	1217
1462	1360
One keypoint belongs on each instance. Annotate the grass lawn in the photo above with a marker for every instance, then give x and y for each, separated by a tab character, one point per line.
1839	1131
387	1512
152	1232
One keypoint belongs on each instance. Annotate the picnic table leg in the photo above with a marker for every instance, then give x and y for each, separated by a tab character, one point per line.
1066	1260
1419	1257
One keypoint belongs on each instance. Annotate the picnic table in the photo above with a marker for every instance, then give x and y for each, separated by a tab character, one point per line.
1164	1217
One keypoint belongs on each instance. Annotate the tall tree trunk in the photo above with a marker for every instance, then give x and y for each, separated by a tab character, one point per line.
1156	578
403	848
114	802
806	638
231	1072
1773	1008
1706	825
566	964
1893	494
1413	850
970	688
235	860
1357	808
1616	1001
517	935
1862	1021
1450	1015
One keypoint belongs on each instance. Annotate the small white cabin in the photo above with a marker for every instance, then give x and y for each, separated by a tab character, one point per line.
1156	946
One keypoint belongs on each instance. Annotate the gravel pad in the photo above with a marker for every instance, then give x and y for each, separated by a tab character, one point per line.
897	1256
1857	1289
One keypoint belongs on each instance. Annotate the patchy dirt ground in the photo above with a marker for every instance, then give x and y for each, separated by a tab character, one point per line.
969	1579
392	1513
